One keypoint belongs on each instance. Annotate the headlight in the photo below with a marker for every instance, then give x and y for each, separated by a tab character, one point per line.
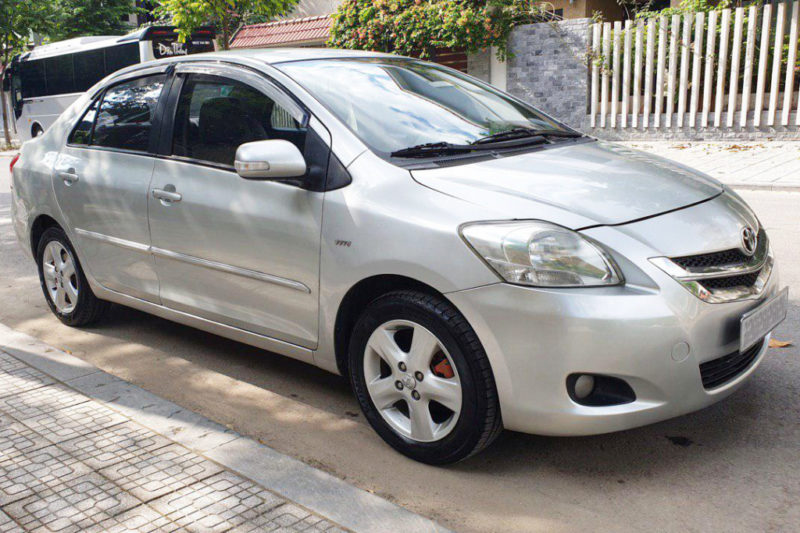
541	254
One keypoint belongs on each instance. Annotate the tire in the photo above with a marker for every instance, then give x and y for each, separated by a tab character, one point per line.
411	419
36	131
82	310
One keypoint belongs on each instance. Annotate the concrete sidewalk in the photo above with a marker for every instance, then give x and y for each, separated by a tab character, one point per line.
81	450
770	165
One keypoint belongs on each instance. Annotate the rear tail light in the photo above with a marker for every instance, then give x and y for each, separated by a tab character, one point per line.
13	162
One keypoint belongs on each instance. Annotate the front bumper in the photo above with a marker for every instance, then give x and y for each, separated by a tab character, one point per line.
536	337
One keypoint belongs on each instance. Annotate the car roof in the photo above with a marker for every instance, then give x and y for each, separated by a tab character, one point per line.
251	57
282	55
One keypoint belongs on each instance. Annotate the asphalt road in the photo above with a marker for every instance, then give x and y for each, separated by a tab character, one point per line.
730	467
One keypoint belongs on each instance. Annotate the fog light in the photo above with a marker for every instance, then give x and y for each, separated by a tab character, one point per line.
597	390
584	386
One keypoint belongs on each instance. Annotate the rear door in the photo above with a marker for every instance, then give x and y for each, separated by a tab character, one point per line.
240	252
102	179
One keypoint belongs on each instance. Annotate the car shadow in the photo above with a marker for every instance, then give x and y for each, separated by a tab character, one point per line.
745	418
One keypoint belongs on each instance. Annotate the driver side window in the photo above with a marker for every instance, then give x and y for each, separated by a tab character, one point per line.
215	116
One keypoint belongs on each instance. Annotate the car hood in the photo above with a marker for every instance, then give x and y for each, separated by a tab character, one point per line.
575	185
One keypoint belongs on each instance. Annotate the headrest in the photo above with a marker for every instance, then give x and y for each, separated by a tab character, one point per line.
223	120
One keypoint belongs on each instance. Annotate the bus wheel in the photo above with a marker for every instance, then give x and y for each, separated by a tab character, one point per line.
36	130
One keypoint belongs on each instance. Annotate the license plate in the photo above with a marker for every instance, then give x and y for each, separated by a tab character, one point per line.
757	323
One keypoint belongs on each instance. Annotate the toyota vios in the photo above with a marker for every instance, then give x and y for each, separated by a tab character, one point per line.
467	261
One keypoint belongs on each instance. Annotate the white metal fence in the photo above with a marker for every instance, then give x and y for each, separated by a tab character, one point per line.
721	69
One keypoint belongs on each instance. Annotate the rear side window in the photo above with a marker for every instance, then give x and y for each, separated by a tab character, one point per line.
82	134
125	116
215	116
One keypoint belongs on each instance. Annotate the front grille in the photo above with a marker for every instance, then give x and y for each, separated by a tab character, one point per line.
719	371
724	258
728	282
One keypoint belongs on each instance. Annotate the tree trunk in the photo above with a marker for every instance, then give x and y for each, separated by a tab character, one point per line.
3	108
226	36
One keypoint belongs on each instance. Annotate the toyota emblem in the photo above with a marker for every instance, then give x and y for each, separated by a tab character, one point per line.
749	240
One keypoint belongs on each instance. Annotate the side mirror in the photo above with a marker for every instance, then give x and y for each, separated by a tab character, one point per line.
275	159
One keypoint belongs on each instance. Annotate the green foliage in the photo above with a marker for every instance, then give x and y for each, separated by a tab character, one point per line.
19	20
225	15
78	18
418	27
686	6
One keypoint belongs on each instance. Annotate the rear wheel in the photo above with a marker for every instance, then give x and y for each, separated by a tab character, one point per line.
36	130
63	282
423	379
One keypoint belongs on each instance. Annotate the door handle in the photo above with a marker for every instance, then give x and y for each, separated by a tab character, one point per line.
69	177
166	196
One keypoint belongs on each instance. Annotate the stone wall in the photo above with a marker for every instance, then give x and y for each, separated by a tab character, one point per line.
548	68
478	64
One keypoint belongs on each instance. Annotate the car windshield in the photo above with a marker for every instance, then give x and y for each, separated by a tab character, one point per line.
392	104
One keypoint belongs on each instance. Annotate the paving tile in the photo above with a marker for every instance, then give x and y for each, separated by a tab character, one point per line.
141	519
40	401
169	419
112	445
17	439
8	363
16	377
7	525
220	503
23	475
287	517
73	421
160	472
75	505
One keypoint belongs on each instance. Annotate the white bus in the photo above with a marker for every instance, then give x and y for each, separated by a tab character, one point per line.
45	81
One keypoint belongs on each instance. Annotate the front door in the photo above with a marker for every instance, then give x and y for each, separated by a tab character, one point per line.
101	179
240	252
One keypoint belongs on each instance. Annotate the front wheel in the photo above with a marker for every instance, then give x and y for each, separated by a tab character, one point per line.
63	282
423	379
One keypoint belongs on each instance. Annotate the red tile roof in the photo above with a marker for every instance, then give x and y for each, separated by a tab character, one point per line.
283	32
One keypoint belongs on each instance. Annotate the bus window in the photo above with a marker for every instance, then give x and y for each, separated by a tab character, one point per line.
89	68
33	80
60	77
121	56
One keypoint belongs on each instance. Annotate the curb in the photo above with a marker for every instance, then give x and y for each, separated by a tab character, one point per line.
317	491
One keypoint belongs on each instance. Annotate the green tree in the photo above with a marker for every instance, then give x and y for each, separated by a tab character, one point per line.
78	18
20	19
225	15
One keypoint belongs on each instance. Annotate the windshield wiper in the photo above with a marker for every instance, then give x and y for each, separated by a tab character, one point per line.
427	149
438	148
521	133
559	133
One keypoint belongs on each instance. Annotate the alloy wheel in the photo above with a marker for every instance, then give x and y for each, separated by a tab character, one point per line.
60	277
412	381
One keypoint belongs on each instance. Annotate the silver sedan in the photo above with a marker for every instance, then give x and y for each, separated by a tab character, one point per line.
469	262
